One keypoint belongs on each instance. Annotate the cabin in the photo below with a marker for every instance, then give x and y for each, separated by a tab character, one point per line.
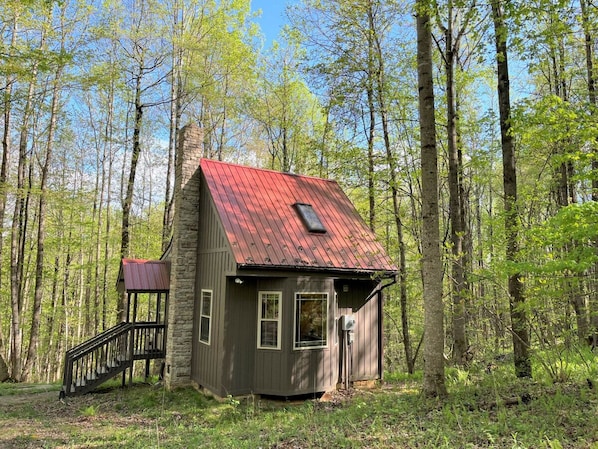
275	282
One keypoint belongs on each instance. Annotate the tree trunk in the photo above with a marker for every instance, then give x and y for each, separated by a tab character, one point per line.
459	290
4	165
371	131
591	79
18	226
175	116
378	77
434	384
41	233
109	152
127	203
519	322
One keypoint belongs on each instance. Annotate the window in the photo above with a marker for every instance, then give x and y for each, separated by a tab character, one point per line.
311	320
310	218
268	325
205	316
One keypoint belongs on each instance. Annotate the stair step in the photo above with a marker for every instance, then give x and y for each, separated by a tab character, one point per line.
106	355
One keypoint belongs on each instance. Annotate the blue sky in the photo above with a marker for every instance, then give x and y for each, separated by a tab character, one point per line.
272	18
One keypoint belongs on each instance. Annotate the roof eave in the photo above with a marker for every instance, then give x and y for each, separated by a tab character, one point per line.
377	273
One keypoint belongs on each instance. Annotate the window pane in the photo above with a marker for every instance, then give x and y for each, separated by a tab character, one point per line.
269	334
268	325
205	304
205	316
204	329
270	307
311	320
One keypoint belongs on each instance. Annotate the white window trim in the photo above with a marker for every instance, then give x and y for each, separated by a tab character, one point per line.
209	317
260	320
306	348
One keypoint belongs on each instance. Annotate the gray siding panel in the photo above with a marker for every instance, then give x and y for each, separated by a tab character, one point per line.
287	371
270	372
366	338
240	337
215	259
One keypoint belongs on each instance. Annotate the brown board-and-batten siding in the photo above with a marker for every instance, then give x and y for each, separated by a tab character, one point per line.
288	371
214	261
366	348
240	337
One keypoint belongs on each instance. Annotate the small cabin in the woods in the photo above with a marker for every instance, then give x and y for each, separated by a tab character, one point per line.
276	283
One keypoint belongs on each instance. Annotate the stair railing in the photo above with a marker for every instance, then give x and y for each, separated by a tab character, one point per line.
109	353
93	361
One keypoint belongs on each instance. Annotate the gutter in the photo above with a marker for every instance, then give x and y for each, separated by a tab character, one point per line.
318	269
379	288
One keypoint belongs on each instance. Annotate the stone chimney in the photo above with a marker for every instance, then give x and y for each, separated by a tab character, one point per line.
183	257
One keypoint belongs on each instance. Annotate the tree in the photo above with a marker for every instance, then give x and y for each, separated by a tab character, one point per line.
342	56
458	21
431	260
7	116
378	19
289	115
519	322
145	60
61	58
589	41
19	223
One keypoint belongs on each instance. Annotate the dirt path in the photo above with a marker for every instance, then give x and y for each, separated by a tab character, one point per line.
35	418
34	396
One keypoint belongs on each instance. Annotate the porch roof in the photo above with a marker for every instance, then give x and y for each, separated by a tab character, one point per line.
141	275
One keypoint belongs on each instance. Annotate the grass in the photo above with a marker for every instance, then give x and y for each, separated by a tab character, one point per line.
484	409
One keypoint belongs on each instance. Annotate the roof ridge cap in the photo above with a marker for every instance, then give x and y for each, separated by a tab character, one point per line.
270	170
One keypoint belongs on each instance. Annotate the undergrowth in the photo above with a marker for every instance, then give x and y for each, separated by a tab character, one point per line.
487	407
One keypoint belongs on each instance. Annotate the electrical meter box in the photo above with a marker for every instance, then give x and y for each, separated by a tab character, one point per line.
347	322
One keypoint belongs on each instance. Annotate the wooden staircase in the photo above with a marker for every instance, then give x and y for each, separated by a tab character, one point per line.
110	353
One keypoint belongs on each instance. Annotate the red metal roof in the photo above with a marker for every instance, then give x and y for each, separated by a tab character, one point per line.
264	229
140	275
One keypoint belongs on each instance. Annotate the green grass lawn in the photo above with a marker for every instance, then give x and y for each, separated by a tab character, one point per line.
483	410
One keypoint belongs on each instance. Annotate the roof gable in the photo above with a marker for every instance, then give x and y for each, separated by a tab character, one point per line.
259	215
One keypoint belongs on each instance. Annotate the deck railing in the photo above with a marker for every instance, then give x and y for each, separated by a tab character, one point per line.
102	357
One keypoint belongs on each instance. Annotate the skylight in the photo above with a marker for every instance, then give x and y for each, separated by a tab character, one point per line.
310	218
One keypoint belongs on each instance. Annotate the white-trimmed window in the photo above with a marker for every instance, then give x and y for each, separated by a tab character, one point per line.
311	320
268	320
205	316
